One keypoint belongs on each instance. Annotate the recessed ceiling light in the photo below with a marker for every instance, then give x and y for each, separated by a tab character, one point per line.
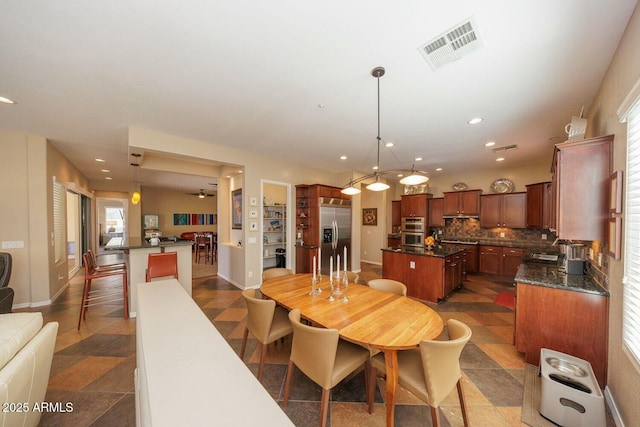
389	144
490	144
107	177
6	100
400	175
240	171
100	160
375	168
438	169
343	157
105	170
475	120
418	159
500	159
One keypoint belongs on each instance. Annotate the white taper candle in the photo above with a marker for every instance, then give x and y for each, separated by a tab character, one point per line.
338	267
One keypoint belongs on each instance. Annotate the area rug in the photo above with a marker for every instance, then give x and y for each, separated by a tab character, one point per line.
507	299
531	399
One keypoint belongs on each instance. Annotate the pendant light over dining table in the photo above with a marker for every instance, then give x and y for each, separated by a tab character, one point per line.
415	177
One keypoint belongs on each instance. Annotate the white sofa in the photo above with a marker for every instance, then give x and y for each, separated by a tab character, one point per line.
26	351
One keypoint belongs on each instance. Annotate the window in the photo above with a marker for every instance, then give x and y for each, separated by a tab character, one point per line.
631	280
59	221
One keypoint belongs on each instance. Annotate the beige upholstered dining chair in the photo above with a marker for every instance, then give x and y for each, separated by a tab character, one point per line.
266	322
323	357
272	273
432	371
388	285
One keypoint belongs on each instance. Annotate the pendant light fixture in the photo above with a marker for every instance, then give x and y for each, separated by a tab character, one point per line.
135	196
415	177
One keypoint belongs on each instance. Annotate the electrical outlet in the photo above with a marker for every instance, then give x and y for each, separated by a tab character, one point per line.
544	236
501	234
249	274
412	264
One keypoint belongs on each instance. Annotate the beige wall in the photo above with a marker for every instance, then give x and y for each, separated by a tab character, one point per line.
374	237
623	73
30	164
165	203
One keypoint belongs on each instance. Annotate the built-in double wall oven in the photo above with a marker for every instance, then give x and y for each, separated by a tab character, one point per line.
413	231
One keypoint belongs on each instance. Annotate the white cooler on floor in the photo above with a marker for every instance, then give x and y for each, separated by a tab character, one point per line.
570	394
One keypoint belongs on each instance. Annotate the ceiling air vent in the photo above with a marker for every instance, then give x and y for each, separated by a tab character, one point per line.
505	148
452	45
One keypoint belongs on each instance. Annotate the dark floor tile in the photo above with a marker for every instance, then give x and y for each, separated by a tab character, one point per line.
211	313
225	328
123	413
351	389
474	358
61	362
416	416
108	345
87	407
118	379
273	377
480	307
302	388
499	386
305	414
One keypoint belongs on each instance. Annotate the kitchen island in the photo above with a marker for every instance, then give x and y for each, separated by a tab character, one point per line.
563	312
429	275
138	250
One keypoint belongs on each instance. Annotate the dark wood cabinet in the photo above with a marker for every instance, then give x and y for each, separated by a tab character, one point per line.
470	259
308	219
396	213
500	261
568	321
414	205
539	205
503	210
462	203
453	272
436	212
581	171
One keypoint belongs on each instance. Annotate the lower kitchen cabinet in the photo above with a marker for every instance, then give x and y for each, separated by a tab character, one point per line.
499	260
428	278
571	322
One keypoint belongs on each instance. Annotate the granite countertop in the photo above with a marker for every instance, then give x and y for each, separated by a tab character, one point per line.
438	252
119	243
547	274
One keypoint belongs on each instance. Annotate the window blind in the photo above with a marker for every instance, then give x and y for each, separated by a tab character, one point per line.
59	221
631	280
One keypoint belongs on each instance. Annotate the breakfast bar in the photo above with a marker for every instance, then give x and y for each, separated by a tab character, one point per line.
137	252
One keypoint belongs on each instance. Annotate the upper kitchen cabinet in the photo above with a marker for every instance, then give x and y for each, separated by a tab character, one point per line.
539	205
462	203
436	212
503	210
396	214
581	170
414	205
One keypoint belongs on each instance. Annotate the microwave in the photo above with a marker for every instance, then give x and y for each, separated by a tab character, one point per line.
413	224
412	239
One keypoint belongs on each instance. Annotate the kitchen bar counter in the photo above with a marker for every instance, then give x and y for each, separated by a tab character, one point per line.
138	250
547	274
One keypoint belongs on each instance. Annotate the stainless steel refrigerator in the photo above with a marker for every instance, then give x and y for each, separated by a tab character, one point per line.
335	232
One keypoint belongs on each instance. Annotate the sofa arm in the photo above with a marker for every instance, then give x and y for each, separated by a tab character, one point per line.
24	379
6	300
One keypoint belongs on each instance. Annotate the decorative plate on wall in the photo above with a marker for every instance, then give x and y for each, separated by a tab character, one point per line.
502	185
459	186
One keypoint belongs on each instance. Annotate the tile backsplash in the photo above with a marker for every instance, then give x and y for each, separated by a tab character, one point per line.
469	228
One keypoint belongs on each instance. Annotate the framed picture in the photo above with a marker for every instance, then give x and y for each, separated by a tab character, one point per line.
615	237
236	209
615	192
370	216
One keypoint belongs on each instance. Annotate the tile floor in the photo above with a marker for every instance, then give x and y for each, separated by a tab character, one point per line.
93	367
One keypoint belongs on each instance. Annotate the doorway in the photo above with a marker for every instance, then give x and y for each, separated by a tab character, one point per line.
74	234
112	217
275	224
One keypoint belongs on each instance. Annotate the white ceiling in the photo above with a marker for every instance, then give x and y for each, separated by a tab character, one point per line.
254	74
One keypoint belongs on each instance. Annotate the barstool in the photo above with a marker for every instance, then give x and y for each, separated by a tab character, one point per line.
105	295
203	246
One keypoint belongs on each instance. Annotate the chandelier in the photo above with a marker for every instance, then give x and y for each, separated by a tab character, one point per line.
414	177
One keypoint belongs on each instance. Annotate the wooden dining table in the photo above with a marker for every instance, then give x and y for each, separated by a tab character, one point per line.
371	318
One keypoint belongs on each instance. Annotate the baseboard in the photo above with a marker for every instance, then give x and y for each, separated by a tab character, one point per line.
371	262
41	303
613	408
234	283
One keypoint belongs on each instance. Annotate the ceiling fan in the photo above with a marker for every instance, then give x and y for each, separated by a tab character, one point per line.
201	194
